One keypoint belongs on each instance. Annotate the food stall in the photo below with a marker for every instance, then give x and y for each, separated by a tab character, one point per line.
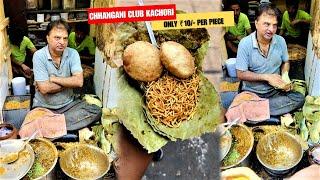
283	148
128	108
134	124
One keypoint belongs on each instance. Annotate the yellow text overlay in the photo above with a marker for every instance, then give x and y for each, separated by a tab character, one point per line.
196	20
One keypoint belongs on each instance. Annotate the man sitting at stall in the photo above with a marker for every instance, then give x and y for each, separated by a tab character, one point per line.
82	42
57	71
262	58
235	33
295	24
19	46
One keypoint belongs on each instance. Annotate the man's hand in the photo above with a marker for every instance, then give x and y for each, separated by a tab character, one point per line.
230	37
27	71
295	22
52	79
276	81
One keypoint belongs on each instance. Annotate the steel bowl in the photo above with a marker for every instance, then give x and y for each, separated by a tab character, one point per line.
279	152
47	147
243	160
84	161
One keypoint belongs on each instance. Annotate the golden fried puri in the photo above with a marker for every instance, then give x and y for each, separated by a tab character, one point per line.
177	59
141	60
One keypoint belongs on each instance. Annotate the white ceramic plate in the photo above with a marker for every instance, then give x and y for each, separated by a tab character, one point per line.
20	168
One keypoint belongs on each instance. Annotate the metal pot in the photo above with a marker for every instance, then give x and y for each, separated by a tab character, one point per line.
279	152
244	161
84	161
51	171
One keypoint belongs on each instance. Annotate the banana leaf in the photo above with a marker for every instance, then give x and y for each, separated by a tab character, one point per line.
131	101
206	117
131	114
299	86
311	110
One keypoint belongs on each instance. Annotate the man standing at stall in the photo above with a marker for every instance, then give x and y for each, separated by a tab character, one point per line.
57	71
19	46
262	58
81	41
295	23
240	29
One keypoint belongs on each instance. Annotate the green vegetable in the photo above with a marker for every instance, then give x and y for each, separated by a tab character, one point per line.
315	132
105	144
108	121
92	99
304	132
299	86
309	100
311	112
317	101
100	137
36	170
231	158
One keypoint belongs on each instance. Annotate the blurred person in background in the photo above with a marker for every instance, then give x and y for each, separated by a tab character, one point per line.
240	29
20	44
81	41
295	24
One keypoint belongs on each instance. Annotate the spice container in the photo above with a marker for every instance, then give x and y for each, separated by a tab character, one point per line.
15	109
8	131
314	155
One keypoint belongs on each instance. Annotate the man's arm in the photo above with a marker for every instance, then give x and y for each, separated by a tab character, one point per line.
26	69
46	87
33	50
232	47
300	22
230	37
285	67
75	81
57	84
274	80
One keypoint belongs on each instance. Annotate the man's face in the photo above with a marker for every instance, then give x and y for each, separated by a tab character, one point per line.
57	39
236	9
292	11
80	36
266	26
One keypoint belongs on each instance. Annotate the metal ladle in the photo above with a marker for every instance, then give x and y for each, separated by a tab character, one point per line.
13	157
225	129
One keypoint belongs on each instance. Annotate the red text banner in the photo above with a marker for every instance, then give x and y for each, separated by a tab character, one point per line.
131	14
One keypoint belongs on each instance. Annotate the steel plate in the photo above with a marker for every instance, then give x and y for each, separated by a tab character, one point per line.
19	168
